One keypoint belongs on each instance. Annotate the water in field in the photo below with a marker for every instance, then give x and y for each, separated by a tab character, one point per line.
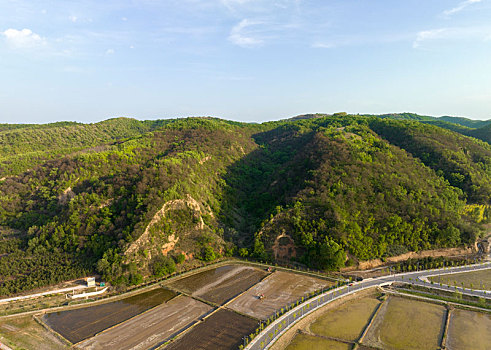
79	324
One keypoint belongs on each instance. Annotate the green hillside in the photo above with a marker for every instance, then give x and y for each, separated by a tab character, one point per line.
23	146
130	199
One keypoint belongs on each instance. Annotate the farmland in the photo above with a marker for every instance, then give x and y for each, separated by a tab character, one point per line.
391	322
220	284
79	324
308	342
26	333
469	330
346	322
150	328
473	280
279	289
392	331
202	309
222	330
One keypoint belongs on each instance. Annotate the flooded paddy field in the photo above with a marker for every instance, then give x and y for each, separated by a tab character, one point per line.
469	330
222	330
407	324
474	280
279	289
79	324
151	328
220	284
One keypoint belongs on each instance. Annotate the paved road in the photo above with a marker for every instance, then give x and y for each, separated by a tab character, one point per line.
269	335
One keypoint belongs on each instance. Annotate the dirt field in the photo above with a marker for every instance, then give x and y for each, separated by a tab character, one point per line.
279	289
221	284
25	333
79	324
307	342
469	330
222	330
151	328
346	322
407	324
474	280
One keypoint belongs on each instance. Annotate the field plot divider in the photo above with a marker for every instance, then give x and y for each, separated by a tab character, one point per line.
445	327
370	322
52	331
183	331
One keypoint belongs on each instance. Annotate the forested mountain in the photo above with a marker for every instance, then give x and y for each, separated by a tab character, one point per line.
130	199
23	146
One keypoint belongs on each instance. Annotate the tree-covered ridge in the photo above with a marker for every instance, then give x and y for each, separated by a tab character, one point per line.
465	163
24	146
149	195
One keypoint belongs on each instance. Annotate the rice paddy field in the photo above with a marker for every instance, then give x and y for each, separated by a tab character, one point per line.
223	330
469	330
346	322
79	324
220	284
407	325
308	342
215	308
474	280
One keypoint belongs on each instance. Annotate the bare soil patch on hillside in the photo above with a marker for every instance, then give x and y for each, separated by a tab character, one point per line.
222	330
220	284
79	324
279	289
151	328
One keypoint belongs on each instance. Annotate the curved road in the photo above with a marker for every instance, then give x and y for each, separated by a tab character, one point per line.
271	333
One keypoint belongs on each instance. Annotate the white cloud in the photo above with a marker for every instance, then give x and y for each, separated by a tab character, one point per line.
74	19
477	33
109	52
241	34
460	7
428	35
24	38
320	45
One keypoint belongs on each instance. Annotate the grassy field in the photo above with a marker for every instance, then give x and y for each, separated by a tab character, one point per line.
307	342
347	321
474	280
407	324
469	330
26	333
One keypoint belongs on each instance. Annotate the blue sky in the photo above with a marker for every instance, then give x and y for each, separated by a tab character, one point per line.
249	60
